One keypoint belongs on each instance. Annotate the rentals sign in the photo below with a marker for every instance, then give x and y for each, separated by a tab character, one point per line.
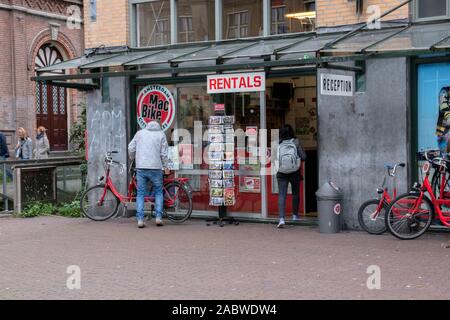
237	82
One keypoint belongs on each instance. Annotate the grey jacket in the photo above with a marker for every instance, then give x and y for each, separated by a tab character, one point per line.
149	147
41	148
27	148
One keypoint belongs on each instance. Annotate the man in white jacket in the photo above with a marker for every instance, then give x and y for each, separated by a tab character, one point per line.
149	148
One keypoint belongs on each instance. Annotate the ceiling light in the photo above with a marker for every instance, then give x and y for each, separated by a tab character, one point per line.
301	15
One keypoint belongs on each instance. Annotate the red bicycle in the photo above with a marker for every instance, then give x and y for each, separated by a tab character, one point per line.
101	201
410	215
371	214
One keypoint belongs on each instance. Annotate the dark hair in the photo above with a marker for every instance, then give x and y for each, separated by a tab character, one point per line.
287	132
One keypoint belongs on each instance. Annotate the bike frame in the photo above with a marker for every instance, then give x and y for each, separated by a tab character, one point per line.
385	199
168	199
437	203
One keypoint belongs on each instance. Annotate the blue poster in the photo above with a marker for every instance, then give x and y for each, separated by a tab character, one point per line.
433	106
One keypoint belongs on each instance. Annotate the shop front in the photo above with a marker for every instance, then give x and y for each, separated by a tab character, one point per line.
356	101
259	109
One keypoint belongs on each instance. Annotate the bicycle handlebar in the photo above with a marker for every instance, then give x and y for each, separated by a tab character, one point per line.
393	169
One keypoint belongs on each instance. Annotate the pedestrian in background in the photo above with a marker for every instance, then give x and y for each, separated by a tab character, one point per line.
289	157
24	147
4	152
42	146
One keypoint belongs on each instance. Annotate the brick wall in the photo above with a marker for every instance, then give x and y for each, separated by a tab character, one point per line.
5	72
341	12
21	35
111	26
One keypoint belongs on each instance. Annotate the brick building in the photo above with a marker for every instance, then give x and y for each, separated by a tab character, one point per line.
344	12
36	33
116	22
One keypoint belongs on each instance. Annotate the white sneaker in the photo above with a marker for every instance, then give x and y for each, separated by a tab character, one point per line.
159	222
281	223
295	217
141	224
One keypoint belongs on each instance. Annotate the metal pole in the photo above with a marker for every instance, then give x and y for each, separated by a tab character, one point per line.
5	199
64	179
218	18
266	18
263	145
173	21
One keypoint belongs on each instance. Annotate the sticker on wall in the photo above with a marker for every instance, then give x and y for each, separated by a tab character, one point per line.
155	102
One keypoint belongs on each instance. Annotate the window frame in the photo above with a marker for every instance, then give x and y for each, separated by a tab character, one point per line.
239	25
416	13
277	23
218	23
134	20
187	34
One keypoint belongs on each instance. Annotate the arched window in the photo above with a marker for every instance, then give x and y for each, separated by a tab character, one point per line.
51	110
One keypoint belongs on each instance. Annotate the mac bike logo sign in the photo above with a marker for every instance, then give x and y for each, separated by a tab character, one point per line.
155	102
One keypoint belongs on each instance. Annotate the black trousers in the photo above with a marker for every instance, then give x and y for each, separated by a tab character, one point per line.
283	183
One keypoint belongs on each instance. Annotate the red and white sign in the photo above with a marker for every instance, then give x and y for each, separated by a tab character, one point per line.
337	208
251	131
219	107
236	82
155	102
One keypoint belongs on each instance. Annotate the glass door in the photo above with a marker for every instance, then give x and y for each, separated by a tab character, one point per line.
195	107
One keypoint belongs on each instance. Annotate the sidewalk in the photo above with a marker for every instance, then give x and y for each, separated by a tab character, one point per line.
194	261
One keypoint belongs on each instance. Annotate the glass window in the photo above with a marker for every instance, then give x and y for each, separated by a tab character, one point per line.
417	37
292	16
195	20
153	23
237	16
431	8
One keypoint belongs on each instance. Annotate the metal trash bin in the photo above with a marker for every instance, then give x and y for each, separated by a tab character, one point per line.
329	207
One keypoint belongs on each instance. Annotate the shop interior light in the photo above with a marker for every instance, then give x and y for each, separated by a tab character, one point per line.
301	15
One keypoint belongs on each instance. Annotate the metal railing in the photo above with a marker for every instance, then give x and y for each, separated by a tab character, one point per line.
8	169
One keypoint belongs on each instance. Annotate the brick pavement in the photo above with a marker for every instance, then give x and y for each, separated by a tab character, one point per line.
193	261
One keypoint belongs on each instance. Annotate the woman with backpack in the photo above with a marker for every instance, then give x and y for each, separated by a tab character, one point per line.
289	157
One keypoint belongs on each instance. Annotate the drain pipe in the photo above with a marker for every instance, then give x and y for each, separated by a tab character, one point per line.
13	77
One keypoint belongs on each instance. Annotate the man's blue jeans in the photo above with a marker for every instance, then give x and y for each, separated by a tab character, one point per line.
143	176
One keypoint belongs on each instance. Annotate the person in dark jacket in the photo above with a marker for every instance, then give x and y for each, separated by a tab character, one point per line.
287	133
4	153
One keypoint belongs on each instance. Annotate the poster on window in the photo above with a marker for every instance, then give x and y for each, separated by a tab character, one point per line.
433	116
174	161
155	103
185	153
250	184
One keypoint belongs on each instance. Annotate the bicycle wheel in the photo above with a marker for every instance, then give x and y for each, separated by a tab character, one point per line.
177	202
369	219
407	219
93	209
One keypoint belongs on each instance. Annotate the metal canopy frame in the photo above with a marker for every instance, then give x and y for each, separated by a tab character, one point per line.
247	60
